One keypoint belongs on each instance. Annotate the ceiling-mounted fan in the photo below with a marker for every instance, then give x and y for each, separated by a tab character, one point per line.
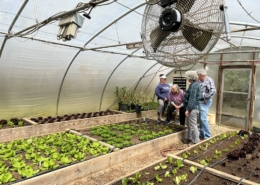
178	33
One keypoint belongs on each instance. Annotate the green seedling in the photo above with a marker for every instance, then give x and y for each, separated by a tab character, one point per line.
174	171
10	123
217	152
158	179
170	160
207	144
195	152
157	167
225	149
203	162
208	159
179	163
185	155
136	178
20	123
167	174
215	156
237	142
193	169
201	148
163	166
231	146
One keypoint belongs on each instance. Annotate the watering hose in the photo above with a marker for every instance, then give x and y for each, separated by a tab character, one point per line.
171	149
249	174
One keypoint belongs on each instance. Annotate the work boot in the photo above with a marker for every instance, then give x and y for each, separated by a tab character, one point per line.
160	117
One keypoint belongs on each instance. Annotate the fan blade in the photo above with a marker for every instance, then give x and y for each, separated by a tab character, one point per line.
157	36
196	36
184	5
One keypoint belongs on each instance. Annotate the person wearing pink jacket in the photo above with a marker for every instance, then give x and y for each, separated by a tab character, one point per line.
176	100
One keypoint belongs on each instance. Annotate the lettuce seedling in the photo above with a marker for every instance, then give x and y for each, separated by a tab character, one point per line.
6	177
195	152
237	142
177	179
20	123
203	162
49	164
27	172
136	178
193	169
225	149
158	179
218	152
65	160
179	163
167	174
157	167
163	166
231	146
170	160
174	171
79	156
185	155
202	148
1	126
10	123
124	181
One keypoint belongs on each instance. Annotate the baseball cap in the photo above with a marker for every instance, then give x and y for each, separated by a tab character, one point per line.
163	76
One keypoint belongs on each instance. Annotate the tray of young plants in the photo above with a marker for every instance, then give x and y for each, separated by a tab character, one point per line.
171	171
12	123
25	158
131	132
67	117
235	153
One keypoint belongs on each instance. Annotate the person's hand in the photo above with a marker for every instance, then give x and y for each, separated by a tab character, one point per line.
187	113
177	109
205	102
165	99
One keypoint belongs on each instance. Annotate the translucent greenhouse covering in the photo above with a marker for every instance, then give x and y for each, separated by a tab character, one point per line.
40	75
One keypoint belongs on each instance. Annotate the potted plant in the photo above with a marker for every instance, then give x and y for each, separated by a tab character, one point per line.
139	99
124	98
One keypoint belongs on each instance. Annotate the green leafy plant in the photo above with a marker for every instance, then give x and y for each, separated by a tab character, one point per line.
218	152
193	169
195	152
201	148
231	146
157	178
174	171
185	155
179	163
20	123
167	174
6	177
225	149
178	179
203	162
237	142
163	166
27	171
65	160
10	123
136	178
169	160
157	167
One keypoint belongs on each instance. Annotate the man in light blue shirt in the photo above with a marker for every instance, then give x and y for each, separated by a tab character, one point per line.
208	90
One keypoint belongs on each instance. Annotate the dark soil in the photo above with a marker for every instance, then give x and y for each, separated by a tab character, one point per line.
53	119
246	164
148	126
205	178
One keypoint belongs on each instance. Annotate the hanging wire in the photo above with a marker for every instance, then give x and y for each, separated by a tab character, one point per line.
249	14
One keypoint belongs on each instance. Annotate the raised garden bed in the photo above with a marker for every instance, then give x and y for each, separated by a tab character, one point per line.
172	171
13	123
237	154
25	158
67	117
131	132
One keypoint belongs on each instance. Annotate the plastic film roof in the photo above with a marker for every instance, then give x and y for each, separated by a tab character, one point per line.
40	75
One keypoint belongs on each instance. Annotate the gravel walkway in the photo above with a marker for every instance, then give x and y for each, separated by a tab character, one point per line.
117	171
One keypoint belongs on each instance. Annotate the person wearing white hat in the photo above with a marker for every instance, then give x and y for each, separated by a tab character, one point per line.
162	91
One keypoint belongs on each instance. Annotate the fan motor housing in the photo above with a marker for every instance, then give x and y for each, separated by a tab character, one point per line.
170	19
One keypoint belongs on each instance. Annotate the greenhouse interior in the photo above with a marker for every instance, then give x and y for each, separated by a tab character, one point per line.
127	92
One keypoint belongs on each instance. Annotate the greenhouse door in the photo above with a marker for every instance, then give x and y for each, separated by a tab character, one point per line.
235	95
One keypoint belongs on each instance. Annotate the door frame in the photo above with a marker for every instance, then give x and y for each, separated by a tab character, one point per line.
252	92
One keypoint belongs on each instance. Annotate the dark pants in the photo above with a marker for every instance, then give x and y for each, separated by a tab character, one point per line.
171	108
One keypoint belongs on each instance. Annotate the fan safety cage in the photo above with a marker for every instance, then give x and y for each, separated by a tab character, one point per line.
201	25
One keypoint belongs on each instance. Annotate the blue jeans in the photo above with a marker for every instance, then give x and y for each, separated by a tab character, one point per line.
204	124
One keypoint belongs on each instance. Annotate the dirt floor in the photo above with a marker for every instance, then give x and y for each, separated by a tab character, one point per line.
122	169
